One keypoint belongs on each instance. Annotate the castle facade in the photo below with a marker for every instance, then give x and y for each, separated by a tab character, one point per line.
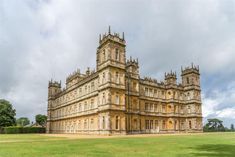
114	99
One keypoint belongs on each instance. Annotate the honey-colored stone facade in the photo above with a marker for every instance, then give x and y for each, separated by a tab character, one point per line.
114	99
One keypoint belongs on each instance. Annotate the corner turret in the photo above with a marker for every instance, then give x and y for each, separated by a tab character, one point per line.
190	75
54	88
170	78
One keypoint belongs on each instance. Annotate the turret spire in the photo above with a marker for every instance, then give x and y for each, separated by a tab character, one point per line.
109	30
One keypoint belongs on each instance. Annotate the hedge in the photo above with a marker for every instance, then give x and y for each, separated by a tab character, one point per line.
23	130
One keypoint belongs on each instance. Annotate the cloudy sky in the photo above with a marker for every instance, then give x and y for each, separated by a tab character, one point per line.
44	39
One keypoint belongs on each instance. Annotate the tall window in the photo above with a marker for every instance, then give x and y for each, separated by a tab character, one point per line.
103	80
146	124
85	124
135	124
164	108
146	107
92	103
156	124
117	55
150	92
92	123
103	98
163	124
104	56
190	125
151	124
103	122
86	89
92	86
134	86
85	106
117	122
117	99
187	80
117	78
189	109
80	107
146	91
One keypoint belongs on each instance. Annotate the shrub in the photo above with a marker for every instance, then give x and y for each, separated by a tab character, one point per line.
23	130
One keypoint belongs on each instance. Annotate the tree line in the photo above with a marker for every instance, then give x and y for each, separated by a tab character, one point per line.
216	125
8	113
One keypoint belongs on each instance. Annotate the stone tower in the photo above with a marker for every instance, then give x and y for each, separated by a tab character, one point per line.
192	96
170	78
111	56
132	95
54	88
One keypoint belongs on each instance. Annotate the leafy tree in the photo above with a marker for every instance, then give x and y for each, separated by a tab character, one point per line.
7	114
232	127
41	119
214	125
23	121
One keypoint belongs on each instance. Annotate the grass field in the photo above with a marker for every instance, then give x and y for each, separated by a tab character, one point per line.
196	145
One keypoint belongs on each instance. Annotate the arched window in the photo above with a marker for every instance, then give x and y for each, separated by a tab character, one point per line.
117	122
116	54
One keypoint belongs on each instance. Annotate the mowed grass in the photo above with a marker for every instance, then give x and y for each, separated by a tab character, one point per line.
196	145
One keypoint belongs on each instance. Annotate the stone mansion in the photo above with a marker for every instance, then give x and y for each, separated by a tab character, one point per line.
115	99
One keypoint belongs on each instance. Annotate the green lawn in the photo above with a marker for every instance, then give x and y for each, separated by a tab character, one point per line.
198	145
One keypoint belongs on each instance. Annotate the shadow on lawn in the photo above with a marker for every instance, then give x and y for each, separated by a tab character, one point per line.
214	150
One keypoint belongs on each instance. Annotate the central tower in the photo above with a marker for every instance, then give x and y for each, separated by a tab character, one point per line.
111	65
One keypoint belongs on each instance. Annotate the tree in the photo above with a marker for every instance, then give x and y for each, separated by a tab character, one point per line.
41	119
23	121
7	114
214	125
232	127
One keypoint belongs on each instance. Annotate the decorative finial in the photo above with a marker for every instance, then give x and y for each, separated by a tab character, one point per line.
109	30
192	64
100	38
123	36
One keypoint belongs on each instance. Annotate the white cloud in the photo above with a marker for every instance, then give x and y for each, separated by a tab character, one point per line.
226	113
220	103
